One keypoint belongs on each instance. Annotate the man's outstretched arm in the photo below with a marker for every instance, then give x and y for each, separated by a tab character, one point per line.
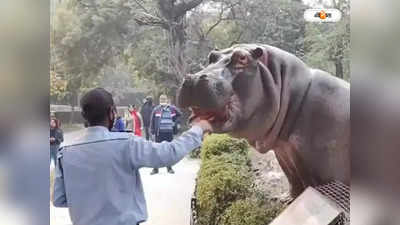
150	154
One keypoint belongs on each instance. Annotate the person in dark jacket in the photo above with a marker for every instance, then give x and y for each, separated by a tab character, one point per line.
164	119
56	138
146	111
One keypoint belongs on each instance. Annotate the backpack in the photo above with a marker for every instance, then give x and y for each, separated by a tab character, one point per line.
166	124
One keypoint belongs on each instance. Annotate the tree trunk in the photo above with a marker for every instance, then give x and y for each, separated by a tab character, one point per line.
339	68
74	101
177	47
339	57
71	115
175	13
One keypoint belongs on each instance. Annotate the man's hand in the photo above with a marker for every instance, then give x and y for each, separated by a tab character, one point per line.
205	124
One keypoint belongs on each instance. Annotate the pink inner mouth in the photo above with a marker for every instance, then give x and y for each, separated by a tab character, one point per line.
219	116
223	117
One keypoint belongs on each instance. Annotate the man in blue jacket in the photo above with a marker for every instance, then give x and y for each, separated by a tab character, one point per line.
164	122
97	176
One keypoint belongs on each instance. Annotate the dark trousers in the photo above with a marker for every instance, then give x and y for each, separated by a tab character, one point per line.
164	137
147	132
53	153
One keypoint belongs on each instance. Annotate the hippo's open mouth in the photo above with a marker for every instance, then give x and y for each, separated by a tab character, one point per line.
224	119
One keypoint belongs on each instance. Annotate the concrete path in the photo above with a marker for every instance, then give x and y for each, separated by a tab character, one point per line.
168	195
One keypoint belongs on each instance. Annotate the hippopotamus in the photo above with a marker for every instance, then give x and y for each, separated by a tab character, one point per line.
275	101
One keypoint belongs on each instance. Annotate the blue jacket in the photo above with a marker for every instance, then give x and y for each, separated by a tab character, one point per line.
156	115
98	178
119	125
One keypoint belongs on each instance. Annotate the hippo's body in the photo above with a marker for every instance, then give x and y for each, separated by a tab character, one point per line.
275	101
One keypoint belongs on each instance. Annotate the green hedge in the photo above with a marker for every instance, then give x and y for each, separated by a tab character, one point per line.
222	180
249	212
195	154
224	176
218	144
225	185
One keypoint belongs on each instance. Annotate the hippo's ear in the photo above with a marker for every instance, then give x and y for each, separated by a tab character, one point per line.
257	52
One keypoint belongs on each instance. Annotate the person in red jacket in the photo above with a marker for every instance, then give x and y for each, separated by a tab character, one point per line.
136	120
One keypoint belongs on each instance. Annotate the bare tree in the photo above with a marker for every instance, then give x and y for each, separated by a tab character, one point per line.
172	19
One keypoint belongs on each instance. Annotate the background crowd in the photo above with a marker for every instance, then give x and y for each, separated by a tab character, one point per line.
154	122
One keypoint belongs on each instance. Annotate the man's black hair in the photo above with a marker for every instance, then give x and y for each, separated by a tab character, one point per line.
95	105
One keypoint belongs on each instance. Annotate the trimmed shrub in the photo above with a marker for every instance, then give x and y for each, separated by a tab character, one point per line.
222	180
225	190
249	212
195	154
217	144
224	176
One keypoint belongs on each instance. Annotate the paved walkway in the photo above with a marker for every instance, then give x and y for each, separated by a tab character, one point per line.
168	195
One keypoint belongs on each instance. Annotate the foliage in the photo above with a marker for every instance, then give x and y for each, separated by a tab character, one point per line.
88	42
273	22
327	45
148	45
64	62
57	85
195	154
250	212
222	180
225	191
218	144
224	176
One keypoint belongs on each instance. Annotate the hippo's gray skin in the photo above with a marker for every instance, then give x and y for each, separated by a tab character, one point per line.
275	101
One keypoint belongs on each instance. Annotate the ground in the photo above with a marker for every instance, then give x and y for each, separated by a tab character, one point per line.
168	195
269	176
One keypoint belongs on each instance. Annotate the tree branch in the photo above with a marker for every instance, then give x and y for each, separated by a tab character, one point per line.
220	16
183	7
84	4
236	41
216	23
142	7
145	19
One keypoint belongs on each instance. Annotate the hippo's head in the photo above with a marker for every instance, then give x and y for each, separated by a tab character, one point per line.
237	89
